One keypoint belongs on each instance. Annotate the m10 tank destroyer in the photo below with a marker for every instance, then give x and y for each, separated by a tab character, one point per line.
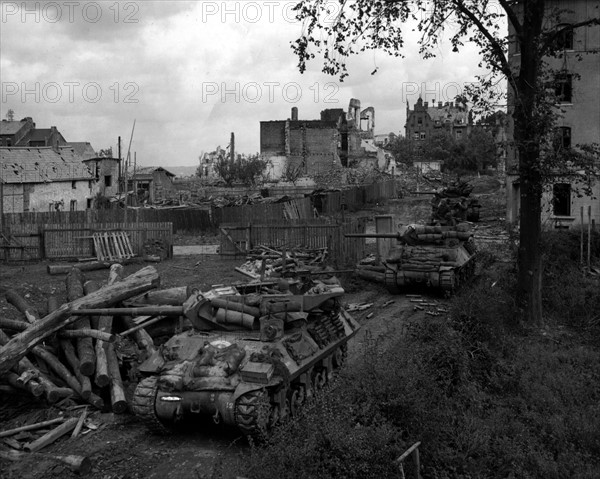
249	361
439	257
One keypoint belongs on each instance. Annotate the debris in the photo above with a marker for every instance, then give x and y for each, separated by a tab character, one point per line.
78	464
387	303
52	436
31	427
358	307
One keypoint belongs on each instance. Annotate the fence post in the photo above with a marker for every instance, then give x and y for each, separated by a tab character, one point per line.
414	449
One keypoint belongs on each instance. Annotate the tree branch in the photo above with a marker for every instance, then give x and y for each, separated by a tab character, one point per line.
512	17
496	47
547	45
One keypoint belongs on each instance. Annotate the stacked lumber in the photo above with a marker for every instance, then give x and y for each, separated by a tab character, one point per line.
67	353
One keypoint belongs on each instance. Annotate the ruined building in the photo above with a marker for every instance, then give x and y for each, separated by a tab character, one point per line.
425	120
314	146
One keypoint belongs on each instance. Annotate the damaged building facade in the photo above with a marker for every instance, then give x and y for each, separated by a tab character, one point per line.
310	147
576	90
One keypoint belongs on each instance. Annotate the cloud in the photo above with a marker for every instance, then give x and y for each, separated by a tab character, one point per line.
190	73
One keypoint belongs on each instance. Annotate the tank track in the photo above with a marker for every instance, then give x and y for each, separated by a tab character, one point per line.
252	413
142	405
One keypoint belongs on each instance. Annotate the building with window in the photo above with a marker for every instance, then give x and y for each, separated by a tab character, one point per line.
43	179
575	87
425	120
25	133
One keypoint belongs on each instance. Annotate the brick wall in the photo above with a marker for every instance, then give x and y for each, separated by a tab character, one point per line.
272	137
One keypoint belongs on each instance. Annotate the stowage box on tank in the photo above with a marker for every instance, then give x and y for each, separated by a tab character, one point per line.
250	360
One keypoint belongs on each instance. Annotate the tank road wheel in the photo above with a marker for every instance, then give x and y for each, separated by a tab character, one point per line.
142	405
319	380
253	413
297	400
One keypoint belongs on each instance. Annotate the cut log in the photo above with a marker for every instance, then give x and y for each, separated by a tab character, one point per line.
117	394
74	282
32	386
22	305
140	336
139	282
102	378
171	296
31	427
24	365
88	333
141	311
115	274
52	436
88	288
16	325
59	368
85	346
71	357
79	464
66	268
104	325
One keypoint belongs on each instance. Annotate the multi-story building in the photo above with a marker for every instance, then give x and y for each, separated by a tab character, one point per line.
577	94
425	121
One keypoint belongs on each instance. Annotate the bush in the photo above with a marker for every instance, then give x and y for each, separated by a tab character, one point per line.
486	397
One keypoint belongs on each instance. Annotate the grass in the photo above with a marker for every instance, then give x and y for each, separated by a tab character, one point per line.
486	396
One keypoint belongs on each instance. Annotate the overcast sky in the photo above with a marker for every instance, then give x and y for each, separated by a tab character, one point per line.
190	73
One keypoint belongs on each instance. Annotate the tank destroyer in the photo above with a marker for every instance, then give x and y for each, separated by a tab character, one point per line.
250	360
439	257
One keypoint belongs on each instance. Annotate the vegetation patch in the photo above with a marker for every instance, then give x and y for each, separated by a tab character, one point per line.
485	396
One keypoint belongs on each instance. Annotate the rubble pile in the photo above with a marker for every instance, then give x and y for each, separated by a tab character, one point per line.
264	262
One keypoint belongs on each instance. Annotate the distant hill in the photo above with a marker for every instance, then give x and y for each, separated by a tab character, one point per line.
182	171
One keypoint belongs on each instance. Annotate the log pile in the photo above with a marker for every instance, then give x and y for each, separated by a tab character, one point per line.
67	354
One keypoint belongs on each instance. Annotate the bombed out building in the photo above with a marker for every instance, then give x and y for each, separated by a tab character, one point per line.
314	146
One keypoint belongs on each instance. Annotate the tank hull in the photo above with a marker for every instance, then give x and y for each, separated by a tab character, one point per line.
249	379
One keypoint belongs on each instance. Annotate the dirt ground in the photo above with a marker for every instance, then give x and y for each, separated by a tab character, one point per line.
118	445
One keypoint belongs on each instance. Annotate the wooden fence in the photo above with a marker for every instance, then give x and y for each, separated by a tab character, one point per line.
237	240
75	241
299	208
183	219
34	242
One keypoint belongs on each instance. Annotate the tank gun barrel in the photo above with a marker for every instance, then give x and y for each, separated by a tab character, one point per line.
374	235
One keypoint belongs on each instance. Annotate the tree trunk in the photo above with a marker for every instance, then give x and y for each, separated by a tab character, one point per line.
137	283
529	132
85	346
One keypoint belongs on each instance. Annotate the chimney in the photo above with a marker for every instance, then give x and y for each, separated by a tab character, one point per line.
439	104
294	113
446	104
425	105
